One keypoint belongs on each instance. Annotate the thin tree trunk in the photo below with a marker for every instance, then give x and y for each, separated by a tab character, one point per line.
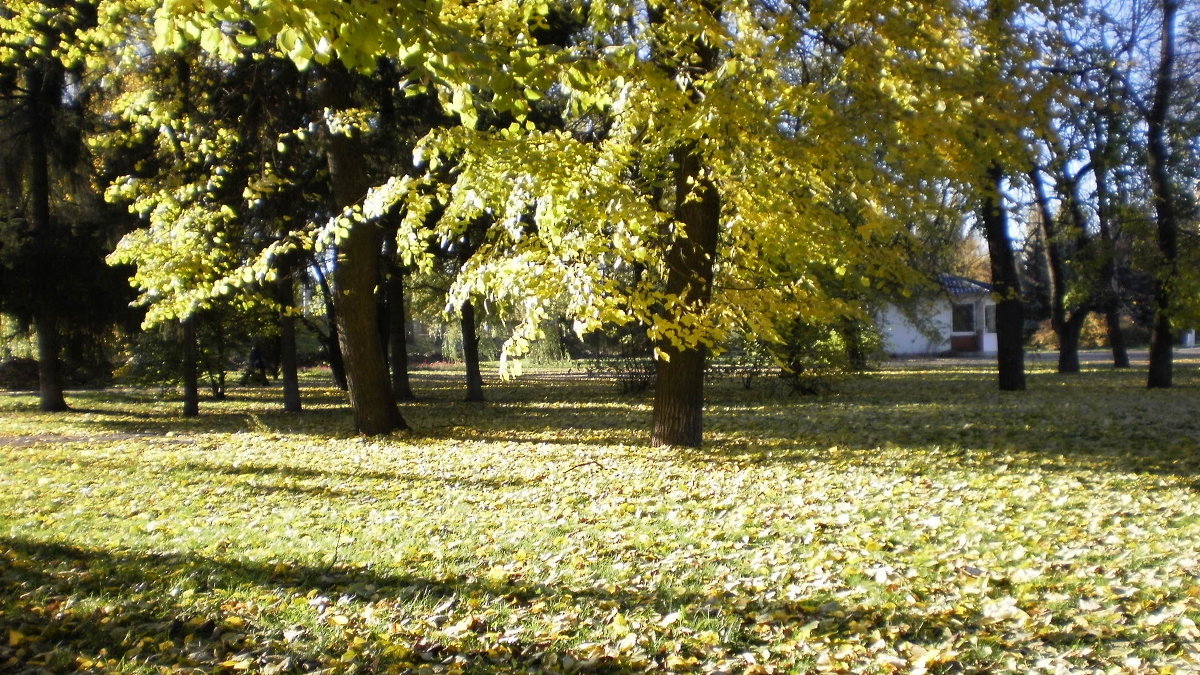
679	386
1157	154
216	370
1067	325
1010	315
470	338
393	320
288	366
1116	339
375	410
398	337
42	227
333	348
1109	288
191	367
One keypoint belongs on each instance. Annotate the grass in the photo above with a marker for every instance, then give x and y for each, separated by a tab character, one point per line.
915	520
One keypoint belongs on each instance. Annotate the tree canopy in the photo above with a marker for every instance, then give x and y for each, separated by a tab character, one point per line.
693	169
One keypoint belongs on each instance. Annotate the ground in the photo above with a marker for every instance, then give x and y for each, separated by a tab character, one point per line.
913	520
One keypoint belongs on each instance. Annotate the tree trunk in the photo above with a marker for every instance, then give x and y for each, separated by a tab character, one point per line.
1066	325
679	398
470	338
375	411
1157	159
398	335
333	349
288	366
1116	339
50	379
39	84
191	367
216	368
1068	343
679	386
1109	288
1010	316
393	320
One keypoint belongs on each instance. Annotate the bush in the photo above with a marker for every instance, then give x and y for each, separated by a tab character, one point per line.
815	356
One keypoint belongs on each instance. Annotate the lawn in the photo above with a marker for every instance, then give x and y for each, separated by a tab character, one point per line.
914	520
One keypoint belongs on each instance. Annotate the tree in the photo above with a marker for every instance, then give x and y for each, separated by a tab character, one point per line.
359	249
41	54
1010	320
1165	202
732	204
712	145
344	39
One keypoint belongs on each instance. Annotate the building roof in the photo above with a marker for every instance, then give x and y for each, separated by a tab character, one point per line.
957	286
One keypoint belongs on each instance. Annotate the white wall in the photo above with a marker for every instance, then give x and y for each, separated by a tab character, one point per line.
990	343
901	336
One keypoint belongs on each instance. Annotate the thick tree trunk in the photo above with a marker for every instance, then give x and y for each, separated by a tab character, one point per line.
679	398
374	407
1157	156
1010	315
50	379
42	227
1068	343
191	368
679	387
470	338
288	365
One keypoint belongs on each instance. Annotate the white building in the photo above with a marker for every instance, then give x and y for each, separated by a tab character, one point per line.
959	320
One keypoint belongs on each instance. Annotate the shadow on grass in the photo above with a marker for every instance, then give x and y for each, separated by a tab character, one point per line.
1098	420
282	476
143	606
73	605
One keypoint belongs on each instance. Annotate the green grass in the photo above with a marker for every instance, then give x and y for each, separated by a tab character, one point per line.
915	520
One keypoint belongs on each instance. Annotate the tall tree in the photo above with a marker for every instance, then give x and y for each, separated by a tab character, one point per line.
734	156
1010	317
375	410
1165	202
42	49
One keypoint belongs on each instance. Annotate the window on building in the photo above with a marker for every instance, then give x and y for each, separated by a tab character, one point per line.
989	318
963	318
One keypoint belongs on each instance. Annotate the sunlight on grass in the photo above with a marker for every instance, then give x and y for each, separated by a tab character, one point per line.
914	520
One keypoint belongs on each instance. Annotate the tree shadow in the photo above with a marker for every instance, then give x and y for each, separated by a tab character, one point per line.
85	604
131	610
959	419
282	477
1107	422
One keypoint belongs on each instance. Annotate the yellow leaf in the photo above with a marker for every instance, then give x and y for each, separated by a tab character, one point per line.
15	638
497	575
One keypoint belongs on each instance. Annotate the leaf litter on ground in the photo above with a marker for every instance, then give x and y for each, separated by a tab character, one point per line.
914	520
